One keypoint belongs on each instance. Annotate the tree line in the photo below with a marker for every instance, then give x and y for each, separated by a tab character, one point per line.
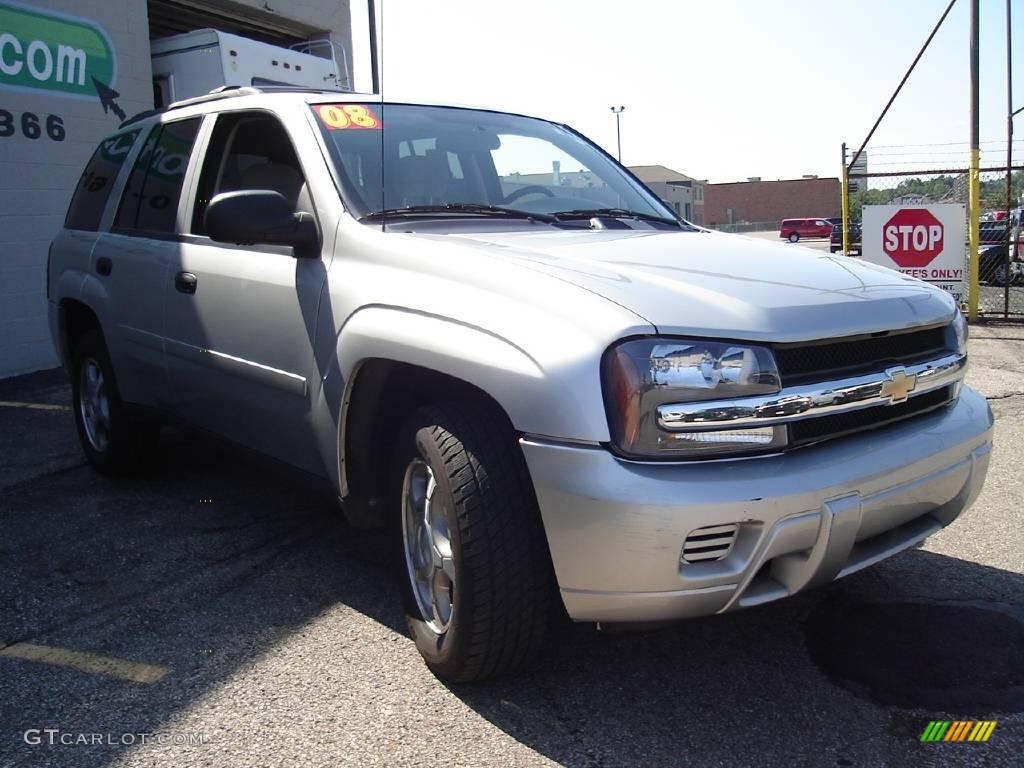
943	188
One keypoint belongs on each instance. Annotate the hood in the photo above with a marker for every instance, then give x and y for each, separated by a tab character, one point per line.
727	286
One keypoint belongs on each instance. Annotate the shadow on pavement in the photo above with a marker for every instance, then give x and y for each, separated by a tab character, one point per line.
212	550
750	688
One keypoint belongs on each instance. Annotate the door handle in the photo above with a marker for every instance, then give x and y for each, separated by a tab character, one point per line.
104	266
185	282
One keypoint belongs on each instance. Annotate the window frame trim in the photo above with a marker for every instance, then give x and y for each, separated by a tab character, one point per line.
116	184
202	145
156	131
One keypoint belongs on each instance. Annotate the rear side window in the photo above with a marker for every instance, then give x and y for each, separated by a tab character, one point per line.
93	190
150	199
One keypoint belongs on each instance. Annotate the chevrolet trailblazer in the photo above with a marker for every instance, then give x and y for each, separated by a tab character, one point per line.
491	339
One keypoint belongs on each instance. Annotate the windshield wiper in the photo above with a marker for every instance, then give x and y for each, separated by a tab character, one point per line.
472	208
615	213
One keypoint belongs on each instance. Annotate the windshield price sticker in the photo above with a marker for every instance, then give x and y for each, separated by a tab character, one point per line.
347	116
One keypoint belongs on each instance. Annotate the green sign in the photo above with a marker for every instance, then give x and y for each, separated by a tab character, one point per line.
49	51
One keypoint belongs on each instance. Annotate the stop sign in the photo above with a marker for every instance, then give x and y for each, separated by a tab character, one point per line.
912	237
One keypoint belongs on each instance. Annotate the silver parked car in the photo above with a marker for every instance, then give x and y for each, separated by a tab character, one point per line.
487	336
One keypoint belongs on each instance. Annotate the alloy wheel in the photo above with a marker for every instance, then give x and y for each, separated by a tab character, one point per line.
94	404
428	546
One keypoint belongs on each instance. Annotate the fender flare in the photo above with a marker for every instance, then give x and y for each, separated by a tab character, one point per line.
82	288
508	374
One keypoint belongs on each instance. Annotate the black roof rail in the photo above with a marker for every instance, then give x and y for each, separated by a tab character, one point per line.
227	92
140	116
224	92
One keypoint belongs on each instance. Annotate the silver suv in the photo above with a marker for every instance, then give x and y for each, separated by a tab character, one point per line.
487	336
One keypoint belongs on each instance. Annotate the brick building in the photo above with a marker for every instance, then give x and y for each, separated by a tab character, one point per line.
58	60
763	204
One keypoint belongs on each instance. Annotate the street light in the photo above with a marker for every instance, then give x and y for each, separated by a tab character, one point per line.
618	129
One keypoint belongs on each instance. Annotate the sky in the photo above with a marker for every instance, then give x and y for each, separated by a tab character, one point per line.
720	90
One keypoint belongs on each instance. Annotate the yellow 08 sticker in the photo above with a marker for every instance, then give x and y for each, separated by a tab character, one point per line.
346	116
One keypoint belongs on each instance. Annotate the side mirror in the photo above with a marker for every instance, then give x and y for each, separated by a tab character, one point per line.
252	216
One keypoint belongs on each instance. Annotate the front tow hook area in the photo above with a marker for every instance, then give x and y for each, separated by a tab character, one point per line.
800	552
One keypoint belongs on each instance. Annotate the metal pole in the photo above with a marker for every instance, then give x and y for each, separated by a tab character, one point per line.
1009	158
974	189
618	137
845	192
903	82
618	130
374	71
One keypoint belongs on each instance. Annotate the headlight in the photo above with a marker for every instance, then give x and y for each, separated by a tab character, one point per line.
960	329
642	374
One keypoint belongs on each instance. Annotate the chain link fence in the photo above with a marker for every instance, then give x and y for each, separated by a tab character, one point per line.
933	174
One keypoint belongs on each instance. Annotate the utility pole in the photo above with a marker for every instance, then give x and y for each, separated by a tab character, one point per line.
845	191
974	188
371	14
618	129
1009	159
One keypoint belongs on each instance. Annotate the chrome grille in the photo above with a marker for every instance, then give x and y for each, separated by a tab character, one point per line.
828	427
707	544
828	359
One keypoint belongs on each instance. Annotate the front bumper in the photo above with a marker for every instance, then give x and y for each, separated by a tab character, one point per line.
616	529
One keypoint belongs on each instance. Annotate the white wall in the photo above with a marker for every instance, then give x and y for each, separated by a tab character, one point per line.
38	175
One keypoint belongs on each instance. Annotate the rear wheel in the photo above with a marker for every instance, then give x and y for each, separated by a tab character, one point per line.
794	237
478	580
1000	276
115	440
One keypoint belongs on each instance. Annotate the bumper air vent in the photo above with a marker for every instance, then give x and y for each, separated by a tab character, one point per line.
708	544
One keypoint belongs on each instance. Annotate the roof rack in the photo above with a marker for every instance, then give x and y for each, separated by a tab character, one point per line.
224	92
228	92
140	116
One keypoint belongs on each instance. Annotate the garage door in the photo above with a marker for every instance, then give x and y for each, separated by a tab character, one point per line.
172	17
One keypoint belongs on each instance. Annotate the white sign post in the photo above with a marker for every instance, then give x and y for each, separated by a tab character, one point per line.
924	241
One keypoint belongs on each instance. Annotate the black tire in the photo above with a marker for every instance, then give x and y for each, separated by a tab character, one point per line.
129	439
794	237
999	275
833	249
502	592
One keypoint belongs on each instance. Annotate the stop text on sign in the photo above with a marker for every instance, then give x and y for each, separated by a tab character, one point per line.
912	237
907	237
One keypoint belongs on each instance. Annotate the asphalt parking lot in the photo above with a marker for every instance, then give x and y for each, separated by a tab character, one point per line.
215	600
772	236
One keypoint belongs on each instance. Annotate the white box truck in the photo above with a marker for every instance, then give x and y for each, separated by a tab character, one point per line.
194	63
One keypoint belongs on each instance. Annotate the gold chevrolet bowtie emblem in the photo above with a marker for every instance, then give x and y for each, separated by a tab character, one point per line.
898	386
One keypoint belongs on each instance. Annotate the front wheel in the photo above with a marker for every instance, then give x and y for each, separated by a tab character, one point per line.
794	237
478	580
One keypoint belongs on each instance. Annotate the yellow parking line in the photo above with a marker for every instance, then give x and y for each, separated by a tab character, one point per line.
34	406
86	662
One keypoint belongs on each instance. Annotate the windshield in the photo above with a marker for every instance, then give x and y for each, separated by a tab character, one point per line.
443	157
